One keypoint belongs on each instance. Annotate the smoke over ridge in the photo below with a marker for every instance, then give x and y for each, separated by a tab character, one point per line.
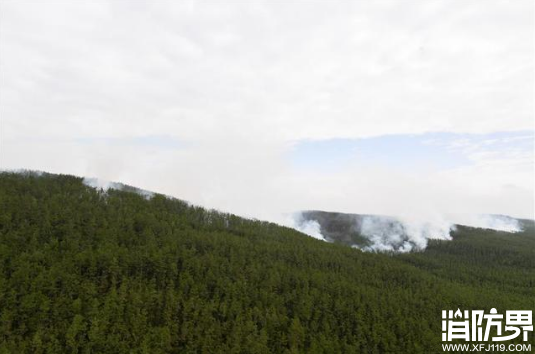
374	233
105	185
386	233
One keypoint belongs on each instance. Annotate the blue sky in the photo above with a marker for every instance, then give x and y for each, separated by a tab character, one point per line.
407	152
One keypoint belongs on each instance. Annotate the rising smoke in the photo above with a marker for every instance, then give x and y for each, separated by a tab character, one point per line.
381	233
308	227
105	185
393	234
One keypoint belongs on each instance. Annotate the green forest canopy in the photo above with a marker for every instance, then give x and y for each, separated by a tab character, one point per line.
88	271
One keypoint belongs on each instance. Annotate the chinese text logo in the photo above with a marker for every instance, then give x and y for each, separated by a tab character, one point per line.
475	325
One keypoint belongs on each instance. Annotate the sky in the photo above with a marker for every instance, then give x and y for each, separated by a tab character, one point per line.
414	108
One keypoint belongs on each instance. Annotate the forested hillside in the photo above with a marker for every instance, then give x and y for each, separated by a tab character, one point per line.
91	271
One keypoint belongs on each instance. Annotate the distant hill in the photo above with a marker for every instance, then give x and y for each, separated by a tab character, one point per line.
85	270
363	231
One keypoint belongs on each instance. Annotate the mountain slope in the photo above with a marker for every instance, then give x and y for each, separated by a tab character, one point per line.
83	270
385	233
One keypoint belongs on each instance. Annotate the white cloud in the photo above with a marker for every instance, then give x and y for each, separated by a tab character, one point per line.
279	71
240	83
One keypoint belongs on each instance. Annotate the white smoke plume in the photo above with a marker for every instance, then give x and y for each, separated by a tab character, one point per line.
398	234
392	234
402	233
98	183
311	228
492	222
105	185
297	221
